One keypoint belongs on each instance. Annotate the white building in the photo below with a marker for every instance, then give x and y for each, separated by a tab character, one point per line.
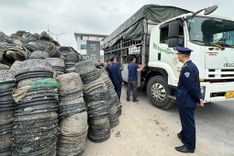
90	45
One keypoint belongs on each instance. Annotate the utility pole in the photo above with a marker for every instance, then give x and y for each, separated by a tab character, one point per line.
53	34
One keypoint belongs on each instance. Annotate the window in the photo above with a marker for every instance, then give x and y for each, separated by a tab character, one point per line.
209	31
102	57
83	46
164	34
93	56
93	46
101	47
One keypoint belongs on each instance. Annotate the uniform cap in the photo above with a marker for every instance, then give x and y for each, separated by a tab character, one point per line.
112	57
183	50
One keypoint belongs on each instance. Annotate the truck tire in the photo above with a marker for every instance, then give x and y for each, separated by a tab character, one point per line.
158	91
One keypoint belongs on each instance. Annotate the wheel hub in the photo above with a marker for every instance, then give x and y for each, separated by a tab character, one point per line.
158	92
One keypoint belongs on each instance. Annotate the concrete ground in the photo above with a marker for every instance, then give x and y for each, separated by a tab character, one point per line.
145	130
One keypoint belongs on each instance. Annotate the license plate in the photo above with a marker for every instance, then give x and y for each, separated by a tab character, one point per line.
229	95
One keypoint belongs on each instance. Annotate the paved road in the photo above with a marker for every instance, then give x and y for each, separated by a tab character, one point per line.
214	126
145	130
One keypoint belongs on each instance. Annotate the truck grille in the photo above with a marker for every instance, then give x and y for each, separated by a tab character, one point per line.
221	73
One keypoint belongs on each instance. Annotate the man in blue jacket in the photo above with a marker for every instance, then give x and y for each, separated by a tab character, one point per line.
115	75
188	97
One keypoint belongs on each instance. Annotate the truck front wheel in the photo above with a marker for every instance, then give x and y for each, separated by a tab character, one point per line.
158	91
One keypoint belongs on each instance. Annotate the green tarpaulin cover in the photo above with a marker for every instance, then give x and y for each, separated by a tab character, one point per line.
133	27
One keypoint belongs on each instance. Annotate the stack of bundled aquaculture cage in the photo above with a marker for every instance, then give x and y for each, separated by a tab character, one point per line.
13	52
23	45
33	46
57	64
70	56
95	96
7	106
4	67
73	124
36	120
113	101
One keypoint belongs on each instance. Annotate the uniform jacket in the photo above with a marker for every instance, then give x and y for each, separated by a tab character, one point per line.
188	90
115	73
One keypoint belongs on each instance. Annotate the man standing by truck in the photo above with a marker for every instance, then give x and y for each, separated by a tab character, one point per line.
133	69
188	97
115	75
108	64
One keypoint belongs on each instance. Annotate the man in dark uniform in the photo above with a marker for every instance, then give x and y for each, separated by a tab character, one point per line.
188	97
108	64
115	75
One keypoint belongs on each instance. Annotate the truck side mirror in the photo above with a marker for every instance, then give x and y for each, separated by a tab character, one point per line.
172	42
173	34
173	29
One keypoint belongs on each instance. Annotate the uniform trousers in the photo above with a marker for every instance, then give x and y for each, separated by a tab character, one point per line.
118	88
188	132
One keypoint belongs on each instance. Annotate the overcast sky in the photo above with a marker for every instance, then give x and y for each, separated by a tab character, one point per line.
66	17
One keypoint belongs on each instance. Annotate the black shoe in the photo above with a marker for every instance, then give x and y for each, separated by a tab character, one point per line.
135	100
179	136
128	100
184	149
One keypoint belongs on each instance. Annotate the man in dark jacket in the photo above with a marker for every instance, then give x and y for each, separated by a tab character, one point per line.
108	64
115	75
188	97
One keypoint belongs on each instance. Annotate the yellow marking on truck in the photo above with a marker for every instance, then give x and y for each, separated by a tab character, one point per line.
229	95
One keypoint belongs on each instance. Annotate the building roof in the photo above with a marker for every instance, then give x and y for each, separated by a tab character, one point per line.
91	37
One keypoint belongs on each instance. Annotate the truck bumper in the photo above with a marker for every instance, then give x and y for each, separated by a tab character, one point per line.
213	92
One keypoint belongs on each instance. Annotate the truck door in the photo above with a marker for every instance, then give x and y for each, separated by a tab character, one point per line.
167	54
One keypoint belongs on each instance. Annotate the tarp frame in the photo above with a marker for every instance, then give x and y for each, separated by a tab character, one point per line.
133	27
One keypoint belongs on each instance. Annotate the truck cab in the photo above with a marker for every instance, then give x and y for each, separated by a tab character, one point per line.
212	42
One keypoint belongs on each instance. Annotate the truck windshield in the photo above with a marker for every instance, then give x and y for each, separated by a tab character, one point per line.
209	31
